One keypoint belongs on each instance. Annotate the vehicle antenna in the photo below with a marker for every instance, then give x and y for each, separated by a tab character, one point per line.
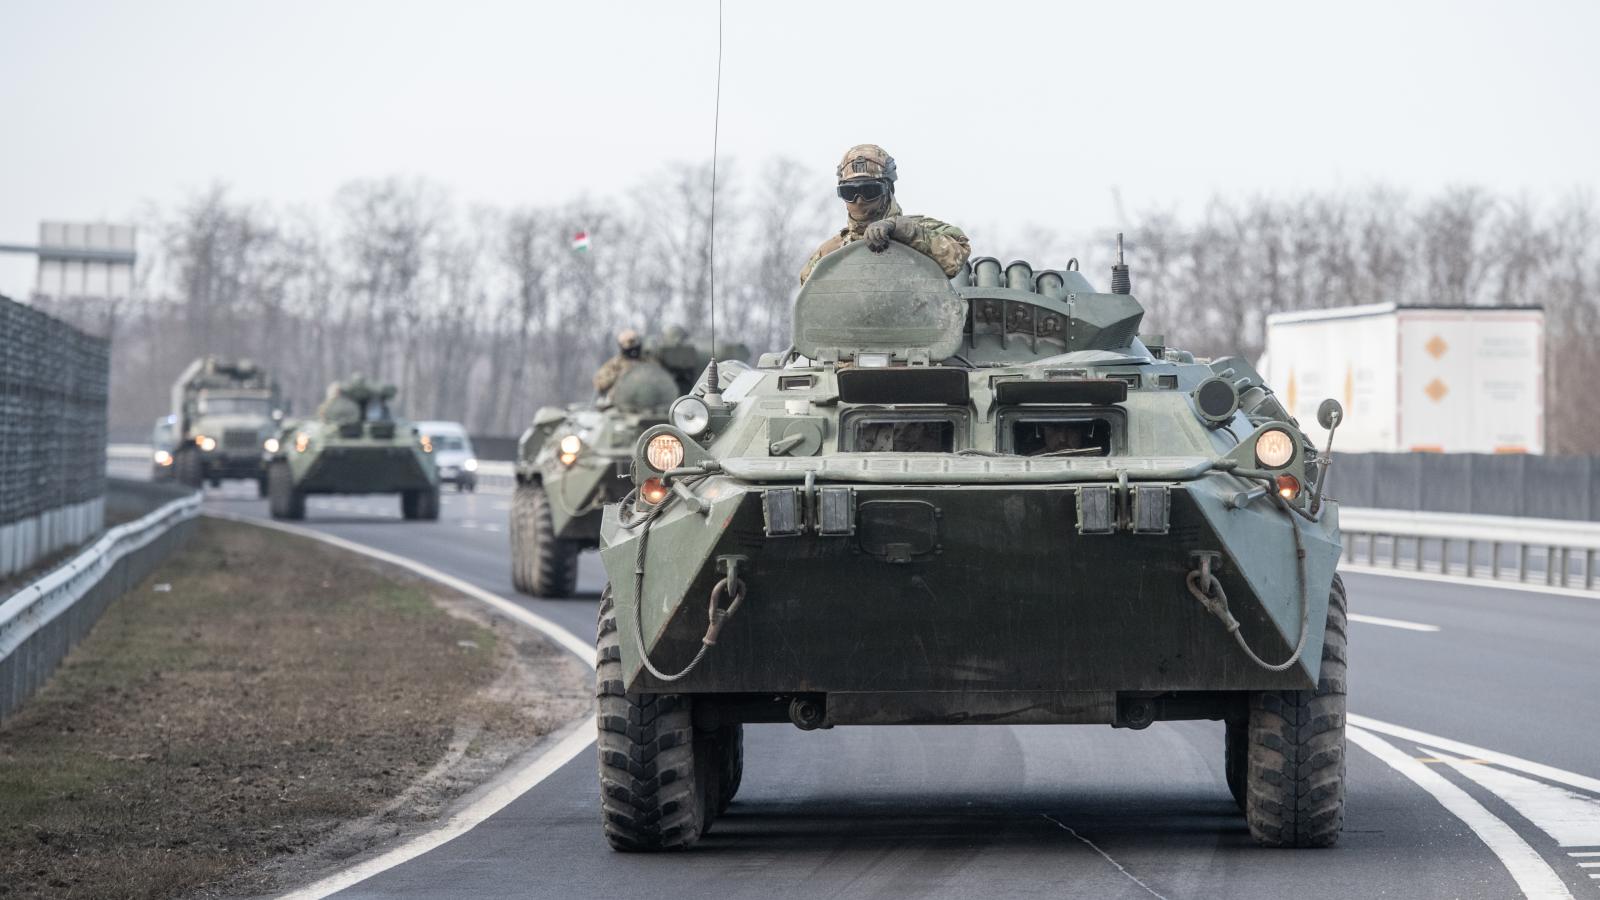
713	385
1121	283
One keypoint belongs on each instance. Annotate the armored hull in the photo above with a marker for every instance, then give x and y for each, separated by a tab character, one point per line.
355	446
982	500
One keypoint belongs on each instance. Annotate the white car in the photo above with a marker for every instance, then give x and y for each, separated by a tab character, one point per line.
452	452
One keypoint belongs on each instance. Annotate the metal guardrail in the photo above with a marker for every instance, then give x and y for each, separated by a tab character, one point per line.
1556	552
494	477
41	622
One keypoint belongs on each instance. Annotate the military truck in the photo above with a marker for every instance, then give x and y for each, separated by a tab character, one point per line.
984	499
355	445
225	413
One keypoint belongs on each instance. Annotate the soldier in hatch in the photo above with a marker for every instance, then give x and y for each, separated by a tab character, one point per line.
866	185
630	352
337	407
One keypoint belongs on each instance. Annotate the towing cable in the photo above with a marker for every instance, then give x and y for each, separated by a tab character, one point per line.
1205	587
730	587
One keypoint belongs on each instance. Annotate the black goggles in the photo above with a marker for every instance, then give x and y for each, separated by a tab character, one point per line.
851	191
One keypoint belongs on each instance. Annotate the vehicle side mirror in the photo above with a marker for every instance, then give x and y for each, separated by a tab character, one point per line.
1330	414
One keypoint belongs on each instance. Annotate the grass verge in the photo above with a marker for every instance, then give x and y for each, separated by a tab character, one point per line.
259	707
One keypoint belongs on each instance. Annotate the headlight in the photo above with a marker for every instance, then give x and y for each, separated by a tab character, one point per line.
690	415
301	442
1274	448
270	445
471	465
653	491
664	452
569	447
1288	487
163	458
205	442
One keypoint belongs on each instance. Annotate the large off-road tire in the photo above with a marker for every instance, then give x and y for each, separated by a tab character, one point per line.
1294	783
283	501
420	505
547	564
188	468
729	746
1236	758
654	791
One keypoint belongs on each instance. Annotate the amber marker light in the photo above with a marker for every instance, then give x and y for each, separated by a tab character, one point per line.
1288	487
664	452
653	491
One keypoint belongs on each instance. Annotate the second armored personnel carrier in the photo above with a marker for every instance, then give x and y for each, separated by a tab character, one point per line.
985	500
224	413
567	470
355	445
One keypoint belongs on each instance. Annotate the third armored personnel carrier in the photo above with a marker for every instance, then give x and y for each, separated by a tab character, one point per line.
979	500
355	445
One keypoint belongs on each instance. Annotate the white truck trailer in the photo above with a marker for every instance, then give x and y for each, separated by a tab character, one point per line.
1415	379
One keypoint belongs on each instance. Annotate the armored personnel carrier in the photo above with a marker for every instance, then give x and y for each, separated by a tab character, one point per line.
224	413
355	445
978	500
567	470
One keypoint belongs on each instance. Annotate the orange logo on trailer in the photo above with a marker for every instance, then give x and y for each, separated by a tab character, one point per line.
1436	347
1436	390
1349	390
1293	392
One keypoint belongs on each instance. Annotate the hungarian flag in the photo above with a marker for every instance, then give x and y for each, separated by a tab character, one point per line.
580	242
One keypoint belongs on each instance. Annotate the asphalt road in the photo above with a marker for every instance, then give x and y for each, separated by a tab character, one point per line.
1083	811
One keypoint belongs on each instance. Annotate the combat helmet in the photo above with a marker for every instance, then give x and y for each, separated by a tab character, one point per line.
867	161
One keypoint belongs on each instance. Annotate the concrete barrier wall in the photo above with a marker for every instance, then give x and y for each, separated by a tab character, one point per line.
43	621
1541	487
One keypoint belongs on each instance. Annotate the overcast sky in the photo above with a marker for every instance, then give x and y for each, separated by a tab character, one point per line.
996	111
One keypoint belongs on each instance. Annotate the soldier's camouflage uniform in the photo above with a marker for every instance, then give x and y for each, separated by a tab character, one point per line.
945	244
611	370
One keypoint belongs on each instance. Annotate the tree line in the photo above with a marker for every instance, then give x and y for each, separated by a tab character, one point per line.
483	314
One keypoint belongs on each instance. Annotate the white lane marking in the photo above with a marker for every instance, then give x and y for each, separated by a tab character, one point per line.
1392	623
1586	853
1538	770
565	745
1570	818
1532	874
488	527
1535	587
576	738
1092	846
469	523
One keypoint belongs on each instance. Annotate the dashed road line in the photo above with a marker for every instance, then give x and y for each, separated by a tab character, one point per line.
1527	868
1391	623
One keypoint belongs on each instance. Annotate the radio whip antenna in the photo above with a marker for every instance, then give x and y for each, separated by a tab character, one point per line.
713	384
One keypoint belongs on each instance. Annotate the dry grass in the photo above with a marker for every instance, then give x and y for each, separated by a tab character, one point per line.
278	689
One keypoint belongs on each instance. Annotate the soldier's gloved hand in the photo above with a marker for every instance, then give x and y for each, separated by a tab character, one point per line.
898	228
879	234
